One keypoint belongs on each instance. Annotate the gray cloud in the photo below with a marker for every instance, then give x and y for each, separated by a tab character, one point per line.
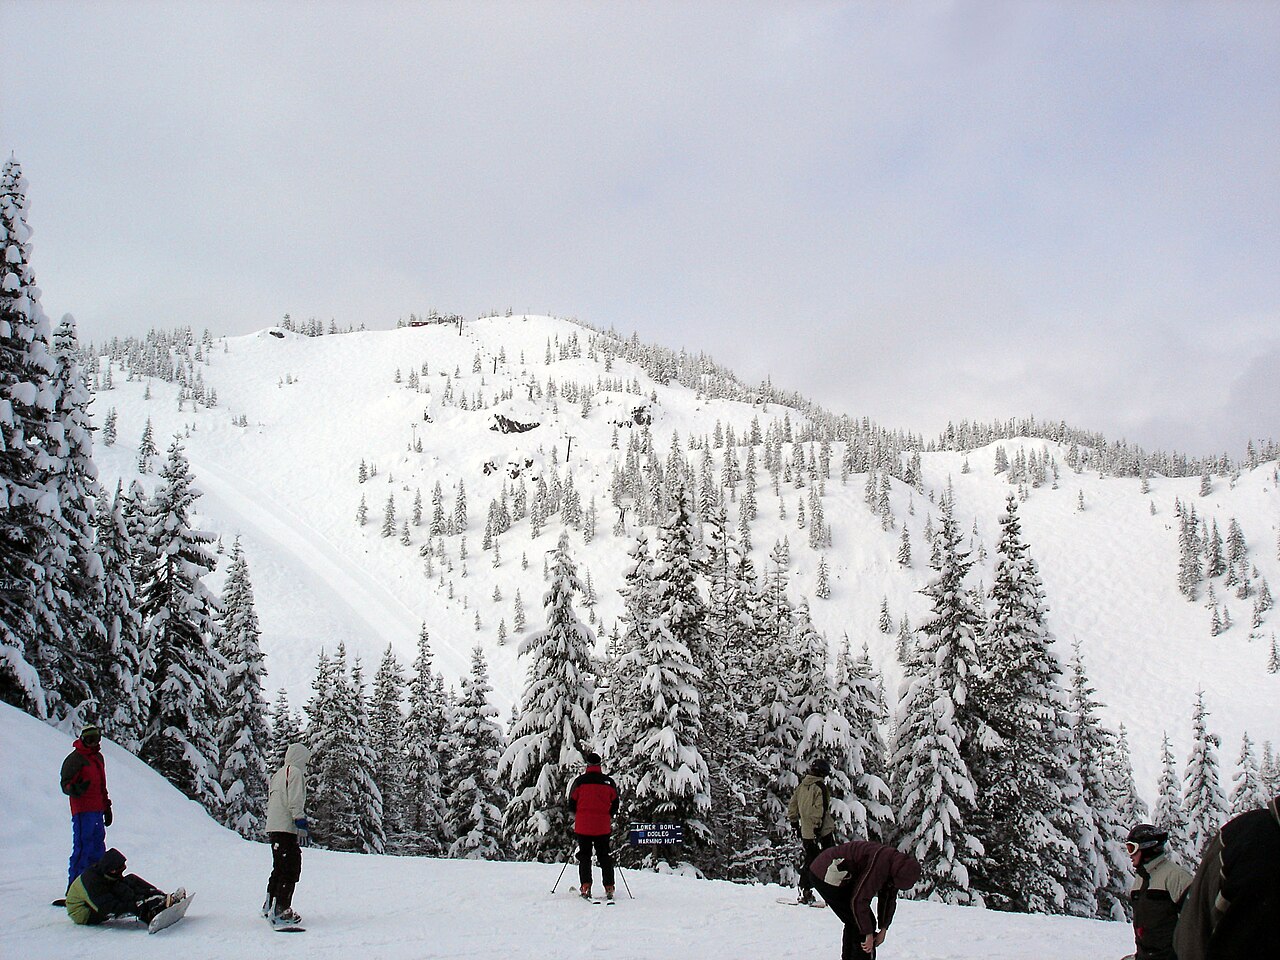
920	212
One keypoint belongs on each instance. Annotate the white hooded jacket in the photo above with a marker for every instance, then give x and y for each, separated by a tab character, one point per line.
288	799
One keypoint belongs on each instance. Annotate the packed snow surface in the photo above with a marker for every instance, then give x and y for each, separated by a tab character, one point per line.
402	907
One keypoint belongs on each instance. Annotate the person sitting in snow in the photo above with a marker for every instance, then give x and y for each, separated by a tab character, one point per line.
105	891
810	814
593	798
849	876
84	780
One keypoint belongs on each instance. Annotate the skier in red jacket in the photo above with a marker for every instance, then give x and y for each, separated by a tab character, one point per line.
84	780
593	798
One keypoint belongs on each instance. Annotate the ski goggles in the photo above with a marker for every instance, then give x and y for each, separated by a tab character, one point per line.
1131	847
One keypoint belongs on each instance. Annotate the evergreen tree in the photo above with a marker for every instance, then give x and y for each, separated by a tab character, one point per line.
554	728
286	728
1202	801
860	697
30	632
1129	805
1249	792
1020	771
147	450
185	671
1099	841
1168	814
243	733
479	795
124	693
386	738
938	725
70	559
422	823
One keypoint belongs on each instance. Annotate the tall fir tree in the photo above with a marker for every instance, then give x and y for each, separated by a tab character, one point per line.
30	632
125	692
1021	770
185	671
1249	792
243	730
1107	869
938	726
386	738
1168	814
286	728
479	795
554	728
1202	801
422	823
860	696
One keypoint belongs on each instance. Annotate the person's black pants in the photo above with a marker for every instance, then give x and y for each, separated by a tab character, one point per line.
838	901
286	868
130	896
811	850
601	844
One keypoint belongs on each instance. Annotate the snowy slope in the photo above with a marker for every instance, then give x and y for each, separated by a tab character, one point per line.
384	908
318	406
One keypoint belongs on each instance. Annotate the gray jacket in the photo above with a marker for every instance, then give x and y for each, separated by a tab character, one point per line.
288	799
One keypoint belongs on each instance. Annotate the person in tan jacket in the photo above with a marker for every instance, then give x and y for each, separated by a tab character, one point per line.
288	830
810	814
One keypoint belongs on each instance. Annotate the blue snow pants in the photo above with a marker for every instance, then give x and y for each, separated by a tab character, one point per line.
88	843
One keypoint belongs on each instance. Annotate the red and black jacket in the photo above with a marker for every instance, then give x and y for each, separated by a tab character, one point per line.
84	779
593	798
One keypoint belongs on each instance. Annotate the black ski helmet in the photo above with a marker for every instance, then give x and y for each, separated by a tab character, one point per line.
820	767
1145	836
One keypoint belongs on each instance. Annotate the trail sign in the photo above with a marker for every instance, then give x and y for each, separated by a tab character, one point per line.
655	834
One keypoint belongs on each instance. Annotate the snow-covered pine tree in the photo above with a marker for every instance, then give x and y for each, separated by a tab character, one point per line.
1020	771
1202	801
124	693
824	723
147	450
71	561
243	731
1099	841
1249	792
479	796
425	730
740	848
341	792
1129	804
1168	814
286	728
554	728
386	739
29	627
779	729
184	669
860	698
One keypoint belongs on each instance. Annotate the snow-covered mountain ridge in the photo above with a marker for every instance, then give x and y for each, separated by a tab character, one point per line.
316	407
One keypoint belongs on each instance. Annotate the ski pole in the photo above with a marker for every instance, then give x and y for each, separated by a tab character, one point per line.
568	856
623	877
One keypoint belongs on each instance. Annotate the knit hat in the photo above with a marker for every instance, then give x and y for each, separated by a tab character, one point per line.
592	758
90	734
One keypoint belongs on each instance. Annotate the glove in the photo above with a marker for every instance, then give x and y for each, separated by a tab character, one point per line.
106	816
304	832
835	874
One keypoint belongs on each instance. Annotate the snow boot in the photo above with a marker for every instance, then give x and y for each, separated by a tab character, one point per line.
806	896
584	891
608	894
176	897
288	917
268	908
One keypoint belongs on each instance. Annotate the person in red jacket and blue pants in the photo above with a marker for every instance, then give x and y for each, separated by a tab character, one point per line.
84	780
593	798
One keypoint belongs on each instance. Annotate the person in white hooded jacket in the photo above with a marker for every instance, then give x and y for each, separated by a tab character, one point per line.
287	829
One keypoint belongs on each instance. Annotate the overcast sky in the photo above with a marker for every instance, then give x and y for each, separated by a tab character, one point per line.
912	211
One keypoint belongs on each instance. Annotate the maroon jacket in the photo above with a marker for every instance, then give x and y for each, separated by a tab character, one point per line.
84	779
870	870
593	798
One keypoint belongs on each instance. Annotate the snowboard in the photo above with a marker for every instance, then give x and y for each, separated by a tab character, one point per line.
170	915
792	902
279	926
60	902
